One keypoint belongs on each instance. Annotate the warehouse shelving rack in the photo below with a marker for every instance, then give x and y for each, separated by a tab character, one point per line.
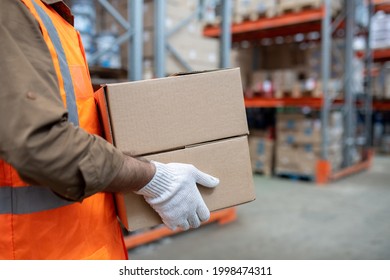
380	55
381	5
134	36
319	20
313	102
305	21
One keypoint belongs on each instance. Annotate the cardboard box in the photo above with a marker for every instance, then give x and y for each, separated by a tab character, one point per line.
302	158
195	118
226	159
261	150
289	121
298	129
163	114
295	160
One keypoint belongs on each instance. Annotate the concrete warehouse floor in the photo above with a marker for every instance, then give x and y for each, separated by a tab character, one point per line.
348	219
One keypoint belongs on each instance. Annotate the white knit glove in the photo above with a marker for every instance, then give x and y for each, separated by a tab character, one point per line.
173	194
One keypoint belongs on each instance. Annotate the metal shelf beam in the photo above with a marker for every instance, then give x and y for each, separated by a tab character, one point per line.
274	24
135	64
303	22
159	38
226	36
326	41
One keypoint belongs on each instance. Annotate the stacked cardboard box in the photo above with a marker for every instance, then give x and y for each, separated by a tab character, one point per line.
299	141
281	83
294	70
380	29
270	71
386	80
261	149
381	80
298	5
314	62
244	10
284	70
174	119
242	57
253	9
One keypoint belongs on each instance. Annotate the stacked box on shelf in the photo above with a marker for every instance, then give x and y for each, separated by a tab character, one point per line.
244	10
261	84
293	70
377	81
381	128
289	82
261	149
380	80
253	9
335	83
243	58
281	56
386	78
273	70
299	141
299	5
380	29
314	62
281	70
381	132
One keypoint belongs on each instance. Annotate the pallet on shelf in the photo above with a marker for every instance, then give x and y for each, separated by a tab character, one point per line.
296	6
299	93
293	6
244	10
261	150
252	16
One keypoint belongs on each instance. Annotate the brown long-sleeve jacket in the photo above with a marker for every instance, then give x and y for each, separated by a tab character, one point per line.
35	136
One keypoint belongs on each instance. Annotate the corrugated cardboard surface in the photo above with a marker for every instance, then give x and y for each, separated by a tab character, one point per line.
227	159
198	119
261	150
162	114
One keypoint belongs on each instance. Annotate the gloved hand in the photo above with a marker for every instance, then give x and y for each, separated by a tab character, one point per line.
173	194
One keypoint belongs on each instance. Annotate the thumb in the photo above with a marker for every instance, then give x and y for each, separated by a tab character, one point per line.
205	180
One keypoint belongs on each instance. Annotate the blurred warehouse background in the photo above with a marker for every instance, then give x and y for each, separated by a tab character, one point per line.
316	82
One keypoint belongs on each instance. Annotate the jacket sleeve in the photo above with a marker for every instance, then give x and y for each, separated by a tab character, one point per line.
35	136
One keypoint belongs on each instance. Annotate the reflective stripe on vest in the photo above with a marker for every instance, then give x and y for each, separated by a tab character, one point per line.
87	230
27	200
68	84
32	199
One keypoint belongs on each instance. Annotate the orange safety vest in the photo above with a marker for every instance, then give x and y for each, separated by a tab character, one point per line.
35	223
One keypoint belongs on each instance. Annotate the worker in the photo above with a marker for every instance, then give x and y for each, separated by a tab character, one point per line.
57	176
